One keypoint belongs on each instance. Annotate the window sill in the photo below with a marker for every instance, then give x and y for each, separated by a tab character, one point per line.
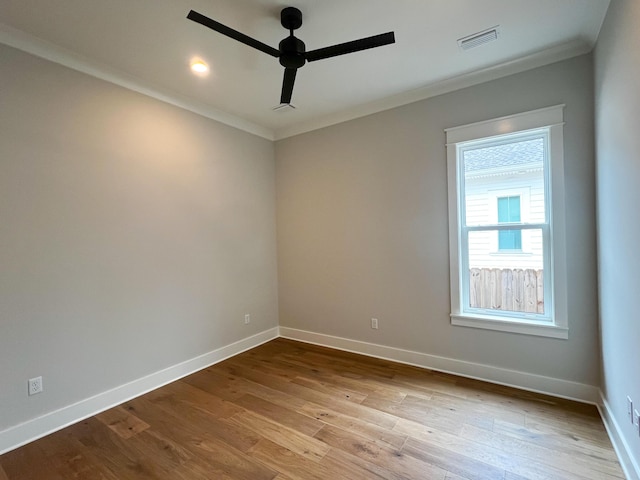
523	327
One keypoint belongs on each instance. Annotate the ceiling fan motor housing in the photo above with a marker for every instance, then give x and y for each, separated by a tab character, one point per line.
292	52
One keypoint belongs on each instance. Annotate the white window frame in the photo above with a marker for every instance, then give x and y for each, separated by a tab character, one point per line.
555	272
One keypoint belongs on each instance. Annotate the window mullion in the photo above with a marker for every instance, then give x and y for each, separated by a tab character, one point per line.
505	226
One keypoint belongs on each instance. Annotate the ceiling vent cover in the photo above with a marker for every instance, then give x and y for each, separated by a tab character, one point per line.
479	38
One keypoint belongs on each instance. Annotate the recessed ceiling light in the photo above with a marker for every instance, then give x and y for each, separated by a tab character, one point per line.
199	67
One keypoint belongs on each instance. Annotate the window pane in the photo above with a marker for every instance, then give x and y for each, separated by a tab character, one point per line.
510	240
504	183
511	282
503	209
509	212
509	209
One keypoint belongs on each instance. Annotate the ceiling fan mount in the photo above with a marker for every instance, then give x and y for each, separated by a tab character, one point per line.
291	18
291	51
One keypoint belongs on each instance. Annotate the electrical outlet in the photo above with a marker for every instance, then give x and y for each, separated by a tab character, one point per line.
247	319
636	421
374	323
630	409
35	385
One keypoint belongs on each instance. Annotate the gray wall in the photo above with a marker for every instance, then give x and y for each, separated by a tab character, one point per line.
133	235
617	67
362	226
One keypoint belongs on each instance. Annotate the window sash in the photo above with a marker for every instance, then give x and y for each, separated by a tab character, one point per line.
465	308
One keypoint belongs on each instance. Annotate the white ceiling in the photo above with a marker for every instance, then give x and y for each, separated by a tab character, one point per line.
147	45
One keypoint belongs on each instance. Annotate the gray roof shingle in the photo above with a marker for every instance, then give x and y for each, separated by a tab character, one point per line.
529	153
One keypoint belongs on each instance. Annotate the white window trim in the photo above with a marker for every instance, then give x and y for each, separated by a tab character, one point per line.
552	118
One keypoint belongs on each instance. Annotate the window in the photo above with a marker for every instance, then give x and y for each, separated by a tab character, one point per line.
509	212
506	215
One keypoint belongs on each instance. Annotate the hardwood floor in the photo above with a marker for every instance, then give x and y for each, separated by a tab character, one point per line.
288	410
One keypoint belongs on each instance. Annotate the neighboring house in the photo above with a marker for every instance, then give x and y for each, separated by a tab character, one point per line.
505	184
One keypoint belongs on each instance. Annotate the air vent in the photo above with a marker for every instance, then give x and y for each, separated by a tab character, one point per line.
283	107
479	38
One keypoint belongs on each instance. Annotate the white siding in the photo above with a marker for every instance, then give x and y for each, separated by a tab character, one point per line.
481	208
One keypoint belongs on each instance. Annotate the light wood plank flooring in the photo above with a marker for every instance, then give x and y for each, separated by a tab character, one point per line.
288	411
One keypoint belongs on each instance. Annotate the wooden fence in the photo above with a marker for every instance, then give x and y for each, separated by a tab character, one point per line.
503	289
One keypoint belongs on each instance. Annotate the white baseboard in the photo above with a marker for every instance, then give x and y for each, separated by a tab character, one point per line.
629	464
23	433
512	378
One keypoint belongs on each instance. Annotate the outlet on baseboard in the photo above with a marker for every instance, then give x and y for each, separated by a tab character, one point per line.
35	385
247	319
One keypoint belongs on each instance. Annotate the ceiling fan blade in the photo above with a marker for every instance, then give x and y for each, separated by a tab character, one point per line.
287	85
230	32
350	47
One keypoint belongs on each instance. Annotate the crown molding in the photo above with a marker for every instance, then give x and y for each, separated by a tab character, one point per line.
535	60
41	48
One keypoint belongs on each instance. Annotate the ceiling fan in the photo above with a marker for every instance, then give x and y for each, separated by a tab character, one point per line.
291	51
